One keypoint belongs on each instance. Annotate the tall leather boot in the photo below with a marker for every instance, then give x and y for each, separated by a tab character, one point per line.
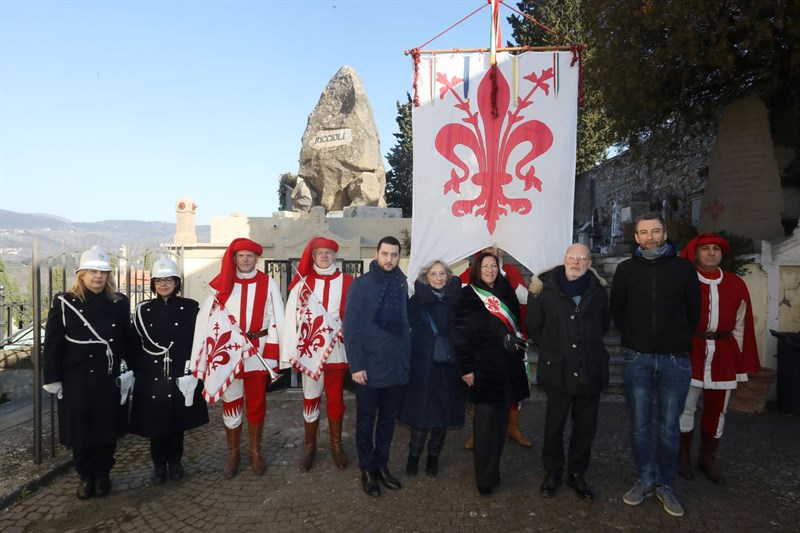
234	437
708	458
513	430
337	451
685	456
257	462
310	449
470	444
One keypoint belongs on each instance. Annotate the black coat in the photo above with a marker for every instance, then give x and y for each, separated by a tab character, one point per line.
90	413
572	354
158	407
431	398
478	337
656	304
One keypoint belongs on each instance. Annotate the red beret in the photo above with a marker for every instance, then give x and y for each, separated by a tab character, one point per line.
702	239
224	280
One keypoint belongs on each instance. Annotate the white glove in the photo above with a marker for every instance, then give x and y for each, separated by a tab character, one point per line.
55	388
187	384
125	384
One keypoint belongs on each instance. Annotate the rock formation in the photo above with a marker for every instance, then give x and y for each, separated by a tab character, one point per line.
340	160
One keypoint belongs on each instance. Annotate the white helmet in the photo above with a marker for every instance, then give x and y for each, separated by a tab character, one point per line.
164	267
94	259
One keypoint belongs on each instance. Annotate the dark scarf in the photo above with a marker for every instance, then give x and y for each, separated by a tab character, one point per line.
394	291
572	288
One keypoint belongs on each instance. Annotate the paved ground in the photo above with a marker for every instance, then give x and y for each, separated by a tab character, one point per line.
760	456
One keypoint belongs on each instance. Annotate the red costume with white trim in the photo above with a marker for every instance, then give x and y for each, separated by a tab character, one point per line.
724	346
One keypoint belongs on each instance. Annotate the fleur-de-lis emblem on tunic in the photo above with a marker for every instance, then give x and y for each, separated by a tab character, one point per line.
492	134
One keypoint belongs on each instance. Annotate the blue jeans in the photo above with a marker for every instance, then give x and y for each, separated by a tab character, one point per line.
669	376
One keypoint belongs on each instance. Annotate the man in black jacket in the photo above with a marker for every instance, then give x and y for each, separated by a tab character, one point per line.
567	318
655	302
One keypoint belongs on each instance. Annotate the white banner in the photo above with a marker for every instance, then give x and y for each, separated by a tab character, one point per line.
494	157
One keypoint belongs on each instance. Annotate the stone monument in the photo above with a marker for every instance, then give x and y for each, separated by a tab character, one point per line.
743	192
185	231
340	159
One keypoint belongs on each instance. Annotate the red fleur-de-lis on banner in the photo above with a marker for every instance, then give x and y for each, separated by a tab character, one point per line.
715	208
492	141
218	347
493	304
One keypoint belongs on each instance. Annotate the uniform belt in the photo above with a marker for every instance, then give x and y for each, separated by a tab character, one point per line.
257	334
713	335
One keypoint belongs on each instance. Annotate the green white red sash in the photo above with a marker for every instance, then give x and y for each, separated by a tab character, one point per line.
496	307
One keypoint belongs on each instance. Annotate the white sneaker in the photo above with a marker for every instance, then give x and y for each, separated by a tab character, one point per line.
638	493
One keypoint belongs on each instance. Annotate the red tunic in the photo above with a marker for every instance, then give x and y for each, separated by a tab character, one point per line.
727	311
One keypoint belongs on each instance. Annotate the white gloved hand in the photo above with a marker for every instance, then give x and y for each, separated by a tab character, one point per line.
187	384
125	384
55	388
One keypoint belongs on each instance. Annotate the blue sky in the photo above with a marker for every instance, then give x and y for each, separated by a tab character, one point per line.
115	109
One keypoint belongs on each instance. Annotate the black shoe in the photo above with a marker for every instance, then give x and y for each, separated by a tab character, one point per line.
85	489
388	480
550	484
369	484
159	476
412	465
578	484
102	487
486	492
432	466
176	471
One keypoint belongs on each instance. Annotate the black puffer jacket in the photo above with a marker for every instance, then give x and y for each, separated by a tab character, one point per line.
478	338
572	355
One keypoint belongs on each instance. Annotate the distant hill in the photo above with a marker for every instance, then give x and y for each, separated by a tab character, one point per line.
56	235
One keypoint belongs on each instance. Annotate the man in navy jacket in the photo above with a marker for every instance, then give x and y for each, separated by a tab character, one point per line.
378	344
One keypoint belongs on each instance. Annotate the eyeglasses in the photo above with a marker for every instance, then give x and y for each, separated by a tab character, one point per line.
581	258
163	280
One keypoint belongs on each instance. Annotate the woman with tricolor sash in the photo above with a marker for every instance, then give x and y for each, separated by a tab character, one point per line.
493	376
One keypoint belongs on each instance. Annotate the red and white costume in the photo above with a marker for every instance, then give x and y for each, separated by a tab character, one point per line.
724	346
254	302
312	339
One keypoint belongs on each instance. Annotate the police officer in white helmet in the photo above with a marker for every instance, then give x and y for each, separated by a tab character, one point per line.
166	401
86	339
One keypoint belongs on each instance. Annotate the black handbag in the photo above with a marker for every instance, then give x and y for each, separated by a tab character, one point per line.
443	351
513	344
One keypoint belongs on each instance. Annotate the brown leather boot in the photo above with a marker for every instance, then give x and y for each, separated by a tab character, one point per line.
337	451
310	449
234	437
708	458
513	430
257	462
685	456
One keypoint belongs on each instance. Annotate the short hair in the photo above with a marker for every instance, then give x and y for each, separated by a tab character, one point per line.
475	269
423	273
389	240
650	216
177	284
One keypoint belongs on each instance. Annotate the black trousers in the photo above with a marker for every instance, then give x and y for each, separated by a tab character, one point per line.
94	462
167	449
489	437
584	411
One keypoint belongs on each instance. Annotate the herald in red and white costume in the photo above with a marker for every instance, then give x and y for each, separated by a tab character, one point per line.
313	343
253	301
724	347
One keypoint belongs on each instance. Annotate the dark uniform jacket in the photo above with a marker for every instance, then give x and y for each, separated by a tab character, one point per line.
656	303
90	413
158	407
569	337
478	338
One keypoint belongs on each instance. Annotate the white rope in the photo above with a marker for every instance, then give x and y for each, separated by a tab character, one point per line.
164	351
100	340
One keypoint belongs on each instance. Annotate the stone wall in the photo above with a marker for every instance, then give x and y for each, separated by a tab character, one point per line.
642	181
